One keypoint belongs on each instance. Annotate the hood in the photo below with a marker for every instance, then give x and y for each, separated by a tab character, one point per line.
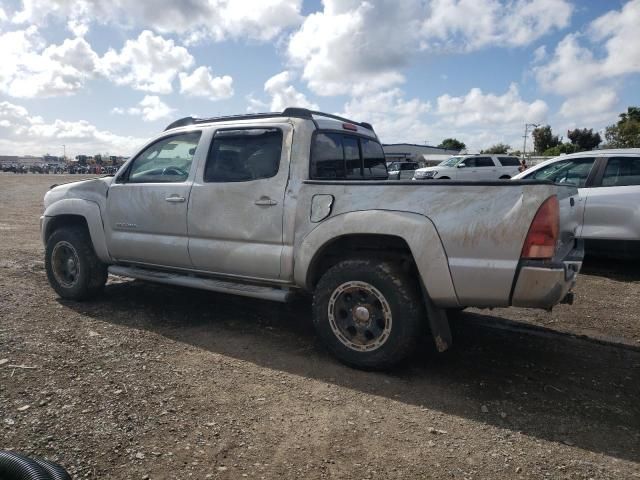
429	169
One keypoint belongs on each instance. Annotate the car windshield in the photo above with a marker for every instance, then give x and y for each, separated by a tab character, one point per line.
450	162
394	167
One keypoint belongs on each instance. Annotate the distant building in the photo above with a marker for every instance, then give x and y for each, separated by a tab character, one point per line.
425	155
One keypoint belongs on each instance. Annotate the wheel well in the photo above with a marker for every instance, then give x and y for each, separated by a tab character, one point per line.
505	177
60	221
382	247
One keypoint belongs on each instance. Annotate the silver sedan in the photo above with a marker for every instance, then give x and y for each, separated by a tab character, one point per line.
608	182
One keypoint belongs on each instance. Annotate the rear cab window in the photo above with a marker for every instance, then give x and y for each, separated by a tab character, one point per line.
342	156
509	161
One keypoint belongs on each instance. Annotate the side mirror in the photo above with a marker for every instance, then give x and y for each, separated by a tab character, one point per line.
461	165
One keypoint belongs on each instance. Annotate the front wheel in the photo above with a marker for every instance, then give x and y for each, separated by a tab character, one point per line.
73	269
369	313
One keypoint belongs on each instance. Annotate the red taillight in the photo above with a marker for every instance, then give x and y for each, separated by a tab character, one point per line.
348	126
543	232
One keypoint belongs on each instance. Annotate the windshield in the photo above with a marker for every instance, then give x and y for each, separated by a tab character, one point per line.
450	162
394	167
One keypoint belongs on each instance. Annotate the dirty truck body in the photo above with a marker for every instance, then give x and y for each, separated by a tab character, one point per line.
384	260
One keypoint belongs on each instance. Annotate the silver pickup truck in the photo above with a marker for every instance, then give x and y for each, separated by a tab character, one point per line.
271	205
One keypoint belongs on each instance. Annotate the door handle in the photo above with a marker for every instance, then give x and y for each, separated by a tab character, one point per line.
265	201
175	199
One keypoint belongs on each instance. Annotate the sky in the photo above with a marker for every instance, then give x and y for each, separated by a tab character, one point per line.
103	76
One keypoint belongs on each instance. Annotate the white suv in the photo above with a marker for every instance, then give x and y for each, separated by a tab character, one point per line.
472	167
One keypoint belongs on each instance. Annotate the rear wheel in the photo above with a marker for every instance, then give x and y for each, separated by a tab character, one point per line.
73	269
444	178
369	313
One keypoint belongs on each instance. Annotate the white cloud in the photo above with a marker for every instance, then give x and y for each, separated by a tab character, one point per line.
201	83
21	133
261	20
479	119
591	106
150	108
284	95
30	70
468	25
358	46
482	110
586	68
393	117
149	63
571	69
255	104
354	45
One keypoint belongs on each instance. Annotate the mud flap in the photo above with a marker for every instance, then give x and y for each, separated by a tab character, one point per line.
438	323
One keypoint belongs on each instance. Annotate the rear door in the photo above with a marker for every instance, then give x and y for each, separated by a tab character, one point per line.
477	168
236	209
509	166
613	204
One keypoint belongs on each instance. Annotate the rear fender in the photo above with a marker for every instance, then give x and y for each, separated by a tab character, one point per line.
416	230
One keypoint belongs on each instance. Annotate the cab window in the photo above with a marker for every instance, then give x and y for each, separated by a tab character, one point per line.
166	161
244	155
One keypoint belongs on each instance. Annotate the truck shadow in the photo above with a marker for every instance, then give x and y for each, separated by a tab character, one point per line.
613	268
540	383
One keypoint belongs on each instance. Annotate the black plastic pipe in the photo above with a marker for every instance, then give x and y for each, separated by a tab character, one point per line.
14	466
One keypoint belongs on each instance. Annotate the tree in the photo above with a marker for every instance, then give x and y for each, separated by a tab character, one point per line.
544	139
625	133
584	139
497	148
452	144
559	149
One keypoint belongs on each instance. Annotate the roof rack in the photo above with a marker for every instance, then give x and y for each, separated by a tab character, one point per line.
287	112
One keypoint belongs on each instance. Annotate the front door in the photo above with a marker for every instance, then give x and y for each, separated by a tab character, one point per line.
147	204
235	217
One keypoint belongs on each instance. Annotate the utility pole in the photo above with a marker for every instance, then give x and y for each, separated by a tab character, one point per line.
526	134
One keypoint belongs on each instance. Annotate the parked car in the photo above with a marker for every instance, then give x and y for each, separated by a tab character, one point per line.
608	183
268	205
472	167
402	170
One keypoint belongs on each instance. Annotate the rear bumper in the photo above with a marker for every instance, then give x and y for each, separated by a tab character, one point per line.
542	284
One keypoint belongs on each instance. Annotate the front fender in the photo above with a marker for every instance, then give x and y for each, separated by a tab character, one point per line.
416	230
87	209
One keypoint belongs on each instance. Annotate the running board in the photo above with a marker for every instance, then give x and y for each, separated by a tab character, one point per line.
254	291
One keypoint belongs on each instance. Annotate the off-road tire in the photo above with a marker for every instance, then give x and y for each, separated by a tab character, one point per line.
402	295
92	273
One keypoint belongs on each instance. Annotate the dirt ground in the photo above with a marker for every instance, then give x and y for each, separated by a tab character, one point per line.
155	382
